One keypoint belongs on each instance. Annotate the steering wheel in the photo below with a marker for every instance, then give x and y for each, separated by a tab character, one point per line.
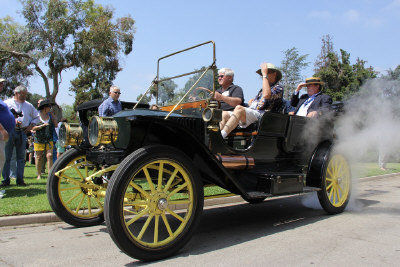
210	92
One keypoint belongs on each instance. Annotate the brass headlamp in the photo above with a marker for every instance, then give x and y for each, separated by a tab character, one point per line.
102	130
212	115
70	134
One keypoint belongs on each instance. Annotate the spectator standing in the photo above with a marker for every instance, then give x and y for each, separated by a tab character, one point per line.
18	137
111	105
7	125
43	137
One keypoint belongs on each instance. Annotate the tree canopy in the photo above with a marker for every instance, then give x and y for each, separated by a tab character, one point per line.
60	35
342	79
291	66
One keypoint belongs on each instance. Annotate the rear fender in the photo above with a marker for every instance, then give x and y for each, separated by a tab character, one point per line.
317	164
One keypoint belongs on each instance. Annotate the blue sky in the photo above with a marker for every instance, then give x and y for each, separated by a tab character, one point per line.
246	33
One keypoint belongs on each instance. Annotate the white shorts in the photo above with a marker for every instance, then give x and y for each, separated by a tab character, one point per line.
252	115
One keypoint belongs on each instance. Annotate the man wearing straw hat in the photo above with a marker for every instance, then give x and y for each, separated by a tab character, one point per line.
313	103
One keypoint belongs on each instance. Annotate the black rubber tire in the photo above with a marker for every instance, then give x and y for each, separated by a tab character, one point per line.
114	202
323	196
53	194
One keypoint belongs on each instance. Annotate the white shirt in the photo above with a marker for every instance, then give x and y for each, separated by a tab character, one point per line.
30	114
304	108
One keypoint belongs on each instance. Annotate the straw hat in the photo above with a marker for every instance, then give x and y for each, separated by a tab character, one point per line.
314	80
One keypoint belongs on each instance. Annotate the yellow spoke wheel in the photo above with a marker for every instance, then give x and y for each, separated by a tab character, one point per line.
74	199
155	200
336	184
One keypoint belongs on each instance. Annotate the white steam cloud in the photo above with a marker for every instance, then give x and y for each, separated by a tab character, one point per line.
370	125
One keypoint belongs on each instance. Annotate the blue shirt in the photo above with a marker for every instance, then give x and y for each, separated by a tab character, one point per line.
6	117
109	107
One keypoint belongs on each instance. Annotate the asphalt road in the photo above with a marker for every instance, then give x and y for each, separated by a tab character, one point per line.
280	232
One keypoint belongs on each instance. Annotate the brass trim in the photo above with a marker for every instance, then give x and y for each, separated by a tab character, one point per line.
73	134
107	130
236	162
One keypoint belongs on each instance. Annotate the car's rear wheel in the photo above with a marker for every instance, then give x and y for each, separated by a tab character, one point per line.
335	184
76	200
153	202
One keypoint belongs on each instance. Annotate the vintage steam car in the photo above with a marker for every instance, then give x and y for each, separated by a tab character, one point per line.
146	168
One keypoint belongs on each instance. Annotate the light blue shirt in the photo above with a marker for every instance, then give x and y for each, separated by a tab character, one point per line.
109	107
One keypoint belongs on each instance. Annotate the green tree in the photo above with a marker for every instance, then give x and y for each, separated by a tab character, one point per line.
393	74
12	69
342	79
165	93
34	99
291	66
69	113
60	35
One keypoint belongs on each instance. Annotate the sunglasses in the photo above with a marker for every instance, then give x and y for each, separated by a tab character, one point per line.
118	93
221	76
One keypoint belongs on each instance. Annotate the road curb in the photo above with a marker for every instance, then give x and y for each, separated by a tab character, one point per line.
50	217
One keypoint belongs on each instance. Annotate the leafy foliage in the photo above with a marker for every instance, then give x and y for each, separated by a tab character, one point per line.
291	66
342	79
66	34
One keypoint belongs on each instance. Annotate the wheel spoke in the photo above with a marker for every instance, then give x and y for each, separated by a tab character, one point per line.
175	215
171	179
148	178
98	202
329	172
337	195
160	176
136	202
140	215
73	197
329	186
138	188
144	228
70	188
80	203
167	224
177	190
79	173
330	193
89	206
156	222
179	201
130	211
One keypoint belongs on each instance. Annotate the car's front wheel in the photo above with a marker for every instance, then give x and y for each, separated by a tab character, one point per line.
153	202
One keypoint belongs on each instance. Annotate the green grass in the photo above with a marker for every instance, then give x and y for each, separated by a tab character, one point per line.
33	198
25	200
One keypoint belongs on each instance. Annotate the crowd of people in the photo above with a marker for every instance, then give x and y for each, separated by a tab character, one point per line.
26	130
21	123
